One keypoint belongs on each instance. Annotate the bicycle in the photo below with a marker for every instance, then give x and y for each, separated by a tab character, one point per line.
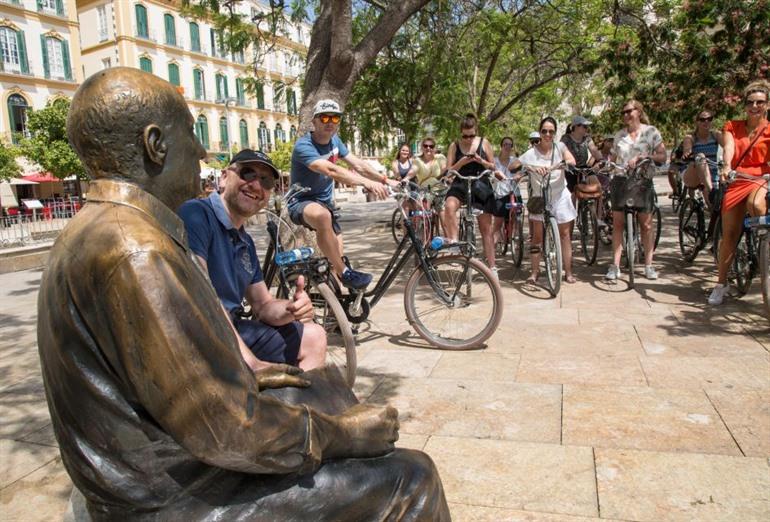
551	247
426	222
586	216
694	235
511	233
468	222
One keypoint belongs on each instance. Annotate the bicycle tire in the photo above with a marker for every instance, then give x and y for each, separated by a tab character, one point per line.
691	229
397	225
742	263
284	229
517	239
448	331
764	272
657	219
716	239
605	233
589	233
552	256
630	247
332	305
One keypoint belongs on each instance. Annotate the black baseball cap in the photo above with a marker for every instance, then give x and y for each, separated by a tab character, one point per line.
255	156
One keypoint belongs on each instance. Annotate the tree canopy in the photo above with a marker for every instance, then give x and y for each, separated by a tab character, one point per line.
48	145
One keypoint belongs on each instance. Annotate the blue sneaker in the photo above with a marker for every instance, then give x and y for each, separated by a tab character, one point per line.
355	279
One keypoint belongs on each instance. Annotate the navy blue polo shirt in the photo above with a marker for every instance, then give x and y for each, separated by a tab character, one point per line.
229	252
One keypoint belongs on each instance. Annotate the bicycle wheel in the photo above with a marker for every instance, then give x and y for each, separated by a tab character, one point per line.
589	233
330	314
657	224
475	308
605	233
691	229
630	244
742	263
716	238
764	272
501	245
517	238
552	256
284	229
397	225
678	199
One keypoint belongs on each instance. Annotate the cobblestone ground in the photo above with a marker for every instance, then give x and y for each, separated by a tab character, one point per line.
604	403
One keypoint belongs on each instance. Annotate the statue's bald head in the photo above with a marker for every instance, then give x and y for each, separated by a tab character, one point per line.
109	114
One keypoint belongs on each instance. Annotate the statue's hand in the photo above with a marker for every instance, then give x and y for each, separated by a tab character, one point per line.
370	431
280	376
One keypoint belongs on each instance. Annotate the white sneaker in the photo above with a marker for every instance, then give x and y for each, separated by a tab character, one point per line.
612	273
650	272
718	294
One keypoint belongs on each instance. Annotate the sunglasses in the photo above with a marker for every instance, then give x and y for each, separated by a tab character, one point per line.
507	144
710	118
547	132
468	136
753	103
326	118
428	146
627	111
266	181
534	142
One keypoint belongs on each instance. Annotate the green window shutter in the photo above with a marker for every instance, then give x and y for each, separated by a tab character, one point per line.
218	83
65	53
23	62
195	37
205	129
145	64
60	7
224	87
288	102
224	135
260	97
170	29
44	49
239	92
244	134
141	21
39	5
213	42
198	83
173	74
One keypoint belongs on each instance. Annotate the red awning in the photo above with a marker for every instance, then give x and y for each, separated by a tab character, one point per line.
41	177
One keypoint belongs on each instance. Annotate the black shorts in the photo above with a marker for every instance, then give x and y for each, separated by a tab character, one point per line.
572	179
276	344
482	193
296	214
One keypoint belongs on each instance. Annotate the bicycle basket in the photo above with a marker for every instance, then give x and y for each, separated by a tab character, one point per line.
631	192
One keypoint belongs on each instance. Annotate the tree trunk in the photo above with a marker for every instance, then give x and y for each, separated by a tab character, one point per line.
333	64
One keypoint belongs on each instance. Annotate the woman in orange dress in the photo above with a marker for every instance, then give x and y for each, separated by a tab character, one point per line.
743	195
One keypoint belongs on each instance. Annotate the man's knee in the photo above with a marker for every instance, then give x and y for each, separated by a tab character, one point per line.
317	216
314	340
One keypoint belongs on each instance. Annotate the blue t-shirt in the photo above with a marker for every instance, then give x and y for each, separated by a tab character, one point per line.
306	151
229	252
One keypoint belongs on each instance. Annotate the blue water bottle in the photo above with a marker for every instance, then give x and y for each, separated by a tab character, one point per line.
437	243
293	256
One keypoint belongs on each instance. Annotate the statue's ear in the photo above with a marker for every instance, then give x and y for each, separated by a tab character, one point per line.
155	144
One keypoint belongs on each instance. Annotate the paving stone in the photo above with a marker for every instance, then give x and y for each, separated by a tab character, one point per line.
747	415
600	370
652	486
653	316
23	409
469	513
400	362
644	418
711	342
524	315
698	372
516	475
477	365
18	459
594	339
44	436
525	412
40	496
411	441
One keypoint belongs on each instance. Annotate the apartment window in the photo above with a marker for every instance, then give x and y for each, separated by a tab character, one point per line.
14	50
56	58
263	134
101	14
293	133
244	128
217	48
141	21
224	136
51	6
280	135
195	37
221	83
291	101
240	92
202	131
145	64
199	84
173	74
168	22
17	114
260	96
106	63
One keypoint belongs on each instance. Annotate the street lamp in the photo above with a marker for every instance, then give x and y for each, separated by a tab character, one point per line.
228	102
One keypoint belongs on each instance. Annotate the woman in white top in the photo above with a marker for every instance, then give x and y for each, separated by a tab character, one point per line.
636	141
546	154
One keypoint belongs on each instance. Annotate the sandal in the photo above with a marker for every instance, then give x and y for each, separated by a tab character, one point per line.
531	280
570	279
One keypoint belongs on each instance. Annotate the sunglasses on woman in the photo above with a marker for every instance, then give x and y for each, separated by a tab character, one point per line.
326	118
547	132
708	118
752	103
428	146
627	111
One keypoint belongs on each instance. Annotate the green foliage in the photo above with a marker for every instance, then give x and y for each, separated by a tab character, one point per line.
8	166
48	145
281	156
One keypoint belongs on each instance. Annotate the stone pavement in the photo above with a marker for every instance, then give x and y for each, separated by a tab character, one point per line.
602	404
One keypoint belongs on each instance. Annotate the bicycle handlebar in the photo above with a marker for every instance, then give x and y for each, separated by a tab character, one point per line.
454	173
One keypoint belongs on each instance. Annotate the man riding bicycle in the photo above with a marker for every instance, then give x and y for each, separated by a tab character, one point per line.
314	165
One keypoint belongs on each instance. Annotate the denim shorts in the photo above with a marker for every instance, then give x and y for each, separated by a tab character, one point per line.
296	214
276	344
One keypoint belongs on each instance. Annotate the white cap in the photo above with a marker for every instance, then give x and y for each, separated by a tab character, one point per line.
326	107
534	135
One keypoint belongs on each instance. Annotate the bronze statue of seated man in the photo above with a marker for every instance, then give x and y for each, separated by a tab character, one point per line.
156	413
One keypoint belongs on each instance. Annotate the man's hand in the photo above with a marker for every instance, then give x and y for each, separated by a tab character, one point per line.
378	189
392	183
366	431
301	307
280	376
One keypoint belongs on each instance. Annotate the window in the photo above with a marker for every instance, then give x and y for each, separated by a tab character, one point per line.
168	22
217	48
260	96
51	6
240	92
293	133
199	84
142	30
56	58
244	128
173	74
13	50
224	136
101	14
280	135
264	137
277	97
221	83
195	37
106	63
291	101
17	113
202	131
145	64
